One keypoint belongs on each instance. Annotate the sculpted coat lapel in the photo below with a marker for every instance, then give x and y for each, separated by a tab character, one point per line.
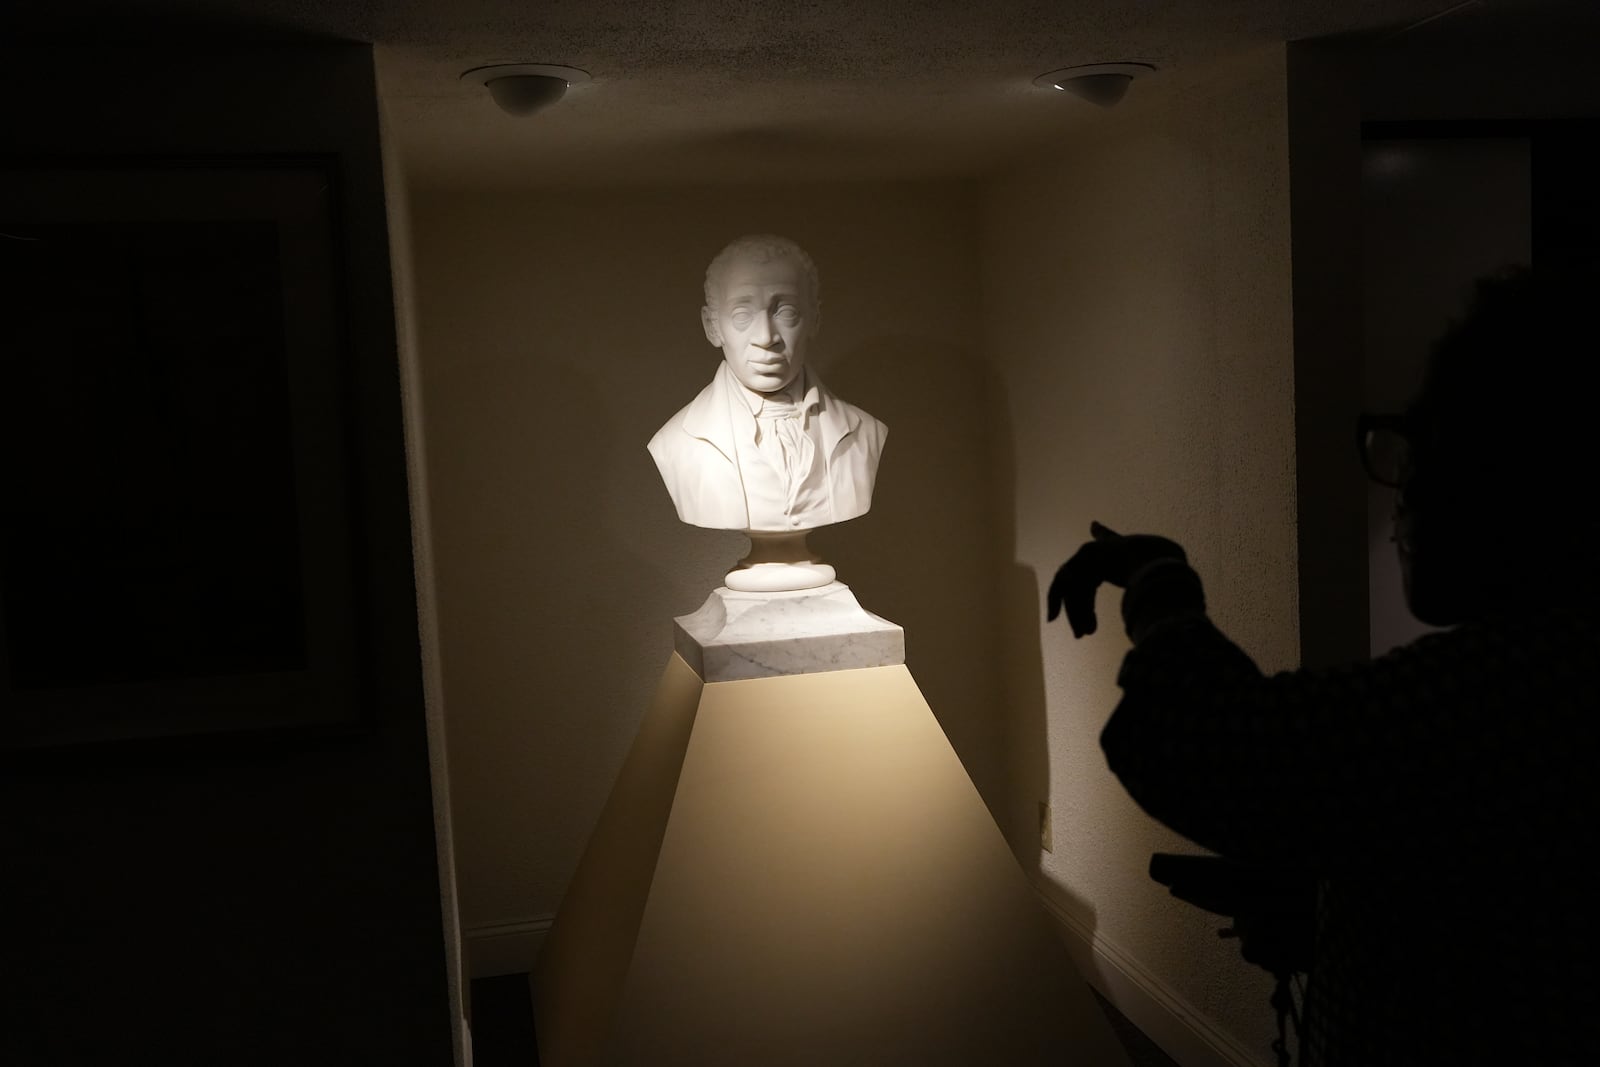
696	455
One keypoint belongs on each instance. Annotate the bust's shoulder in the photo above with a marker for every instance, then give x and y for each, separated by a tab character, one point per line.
866	425
696	419
666	436
875	430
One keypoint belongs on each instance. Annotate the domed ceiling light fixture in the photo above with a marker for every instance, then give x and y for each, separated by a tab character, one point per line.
1104	84
523	88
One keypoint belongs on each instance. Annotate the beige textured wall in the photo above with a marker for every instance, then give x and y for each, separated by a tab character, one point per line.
1137	321
557	332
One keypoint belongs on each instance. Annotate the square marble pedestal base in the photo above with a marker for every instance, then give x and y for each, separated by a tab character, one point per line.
738	635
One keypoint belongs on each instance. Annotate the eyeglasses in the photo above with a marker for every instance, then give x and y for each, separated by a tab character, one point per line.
1385	443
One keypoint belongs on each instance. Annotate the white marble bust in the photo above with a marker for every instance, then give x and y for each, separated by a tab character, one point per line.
766	447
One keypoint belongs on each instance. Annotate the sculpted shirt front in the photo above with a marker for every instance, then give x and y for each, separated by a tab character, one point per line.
778	441
734	459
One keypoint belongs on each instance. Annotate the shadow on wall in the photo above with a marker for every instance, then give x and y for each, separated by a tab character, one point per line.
913	559
1023	714
976	652
1021	660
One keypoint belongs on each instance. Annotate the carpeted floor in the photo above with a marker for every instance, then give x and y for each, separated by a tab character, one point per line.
502	1027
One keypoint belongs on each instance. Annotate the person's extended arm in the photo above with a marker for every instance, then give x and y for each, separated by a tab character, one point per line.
1307	767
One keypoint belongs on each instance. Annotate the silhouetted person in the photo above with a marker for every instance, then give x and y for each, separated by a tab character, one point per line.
1444	795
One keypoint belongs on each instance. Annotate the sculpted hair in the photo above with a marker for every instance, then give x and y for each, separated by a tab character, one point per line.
763	248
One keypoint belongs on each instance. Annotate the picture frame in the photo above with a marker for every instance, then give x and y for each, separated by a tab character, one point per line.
177	511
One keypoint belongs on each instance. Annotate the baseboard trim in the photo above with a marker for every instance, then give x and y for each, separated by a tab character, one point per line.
1148	1002
507	947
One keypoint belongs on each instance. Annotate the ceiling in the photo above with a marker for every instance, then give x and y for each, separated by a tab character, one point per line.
706	90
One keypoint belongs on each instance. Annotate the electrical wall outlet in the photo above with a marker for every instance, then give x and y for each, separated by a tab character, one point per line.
1047	837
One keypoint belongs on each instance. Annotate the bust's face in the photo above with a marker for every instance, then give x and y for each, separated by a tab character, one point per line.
762	322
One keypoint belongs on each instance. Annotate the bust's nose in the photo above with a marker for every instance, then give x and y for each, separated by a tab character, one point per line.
763	335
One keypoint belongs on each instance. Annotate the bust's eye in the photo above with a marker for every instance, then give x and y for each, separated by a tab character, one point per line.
787	314
741	318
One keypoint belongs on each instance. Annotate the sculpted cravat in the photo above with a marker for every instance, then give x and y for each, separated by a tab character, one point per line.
782	439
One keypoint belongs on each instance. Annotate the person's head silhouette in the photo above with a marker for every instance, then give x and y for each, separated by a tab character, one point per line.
1500	446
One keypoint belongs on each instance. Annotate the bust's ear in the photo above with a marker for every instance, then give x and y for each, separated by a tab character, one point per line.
708	319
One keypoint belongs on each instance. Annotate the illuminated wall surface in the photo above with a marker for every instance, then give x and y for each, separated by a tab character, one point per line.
1098	336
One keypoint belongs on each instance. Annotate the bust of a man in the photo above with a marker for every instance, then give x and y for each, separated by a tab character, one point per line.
765	446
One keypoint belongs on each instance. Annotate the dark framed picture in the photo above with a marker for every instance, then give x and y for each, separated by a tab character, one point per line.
176	518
